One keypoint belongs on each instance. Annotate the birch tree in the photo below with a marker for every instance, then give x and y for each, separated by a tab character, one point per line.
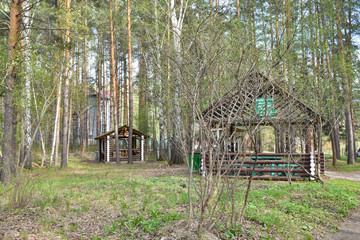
56	132
177	20
160	84
27	22
130	147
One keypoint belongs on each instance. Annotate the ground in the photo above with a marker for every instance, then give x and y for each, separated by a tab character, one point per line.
149	200
351	176
350	229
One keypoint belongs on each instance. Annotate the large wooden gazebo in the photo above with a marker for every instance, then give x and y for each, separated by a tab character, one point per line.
107	151
256	101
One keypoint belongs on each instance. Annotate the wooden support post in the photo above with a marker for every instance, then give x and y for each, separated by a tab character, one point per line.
232	147
315	138
142	145
107	148
308	138
99	150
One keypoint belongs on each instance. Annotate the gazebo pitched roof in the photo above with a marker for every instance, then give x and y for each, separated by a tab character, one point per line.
256	99
120	130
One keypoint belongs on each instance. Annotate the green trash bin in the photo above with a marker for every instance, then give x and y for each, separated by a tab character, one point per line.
196	164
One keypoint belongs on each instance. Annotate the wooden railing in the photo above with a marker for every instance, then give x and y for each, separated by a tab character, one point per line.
124	154
266	166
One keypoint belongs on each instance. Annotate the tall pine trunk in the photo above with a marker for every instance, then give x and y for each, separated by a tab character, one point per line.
64	151
8	160
347	90
160	84
130	144
143	111
334	123
125	104
85	108
114	83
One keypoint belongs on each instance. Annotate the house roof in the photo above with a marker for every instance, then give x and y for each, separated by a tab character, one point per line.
106	94
257	100
121	130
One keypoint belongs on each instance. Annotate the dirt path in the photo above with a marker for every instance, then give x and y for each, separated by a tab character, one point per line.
350	229
352	176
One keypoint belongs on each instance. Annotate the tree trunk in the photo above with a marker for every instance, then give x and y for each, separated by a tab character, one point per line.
277	41
161	87
277	140
76	133
99	98
113	48
70	120
130	144
116	59
8	160
85	108
126	115
43	161
71	103
238	9
337	140
253	27
347	91
143	111
271	37
349	63
64	155
104	97
176	24
56	133
168	86
334	122
27	89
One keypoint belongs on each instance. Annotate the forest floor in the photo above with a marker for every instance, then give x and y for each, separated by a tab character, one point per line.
350	228
351	176
149	200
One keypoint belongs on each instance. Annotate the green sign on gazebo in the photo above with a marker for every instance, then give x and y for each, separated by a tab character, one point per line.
264	107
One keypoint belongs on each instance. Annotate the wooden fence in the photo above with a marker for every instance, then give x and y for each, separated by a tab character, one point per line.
264	166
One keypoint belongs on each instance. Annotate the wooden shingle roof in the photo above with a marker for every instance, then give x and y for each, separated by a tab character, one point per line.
122	133
256	99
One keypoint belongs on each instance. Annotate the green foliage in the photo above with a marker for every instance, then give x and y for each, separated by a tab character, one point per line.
144	205
306	205
341	165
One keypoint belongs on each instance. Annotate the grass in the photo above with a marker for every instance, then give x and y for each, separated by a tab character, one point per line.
342	165
296	210
103	201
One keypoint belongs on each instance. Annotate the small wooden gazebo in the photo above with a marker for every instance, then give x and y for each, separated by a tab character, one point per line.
107	150
257	101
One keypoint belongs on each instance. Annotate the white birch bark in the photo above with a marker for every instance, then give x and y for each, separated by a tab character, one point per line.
176	25
55	132
43	161
27	22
